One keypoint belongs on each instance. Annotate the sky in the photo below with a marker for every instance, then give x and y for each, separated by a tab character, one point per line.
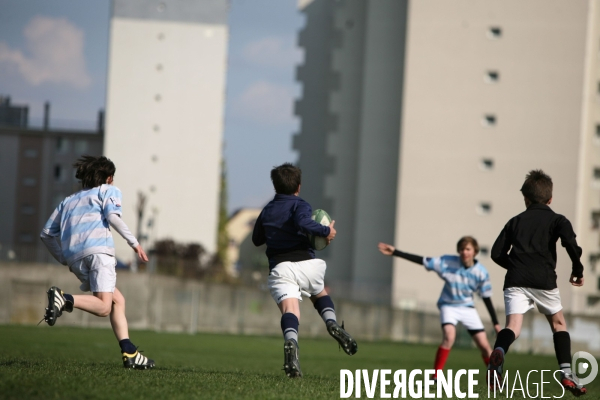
57	51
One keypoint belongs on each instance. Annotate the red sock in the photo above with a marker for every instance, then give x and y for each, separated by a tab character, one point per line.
440	359
486	360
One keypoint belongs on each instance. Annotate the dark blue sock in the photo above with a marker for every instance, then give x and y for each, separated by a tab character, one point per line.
69	302
127	346
324	306
289	326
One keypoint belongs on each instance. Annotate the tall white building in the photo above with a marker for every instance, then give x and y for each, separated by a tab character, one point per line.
428	114
165	112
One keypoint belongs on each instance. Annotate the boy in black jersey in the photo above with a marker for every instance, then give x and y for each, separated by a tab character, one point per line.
526	248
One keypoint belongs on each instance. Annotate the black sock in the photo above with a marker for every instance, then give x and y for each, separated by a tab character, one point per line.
69	302
504	339
562	348
127	346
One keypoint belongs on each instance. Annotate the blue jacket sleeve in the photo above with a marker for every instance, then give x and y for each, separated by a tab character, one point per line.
258	234
304	222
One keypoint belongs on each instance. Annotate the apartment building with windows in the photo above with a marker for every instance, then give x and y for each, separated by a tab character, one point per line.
420	119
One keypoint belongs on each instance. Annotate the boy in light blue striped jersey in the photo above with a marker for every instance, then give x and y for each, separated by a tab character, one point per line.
78	234
463	276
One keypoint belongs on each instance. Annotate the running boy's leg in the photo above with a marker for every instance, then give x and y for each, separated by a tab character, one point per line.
324	306
449	336
290	321
562	348
481	341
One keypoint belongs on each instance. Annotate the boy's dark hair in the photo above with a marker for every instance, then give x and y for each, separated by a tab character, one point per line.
465	240
286	178
537	187
93	171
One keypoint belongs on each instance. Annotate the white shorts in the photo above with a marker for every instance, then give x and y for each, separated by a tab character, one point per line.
296	279
467	316
96	273
518	300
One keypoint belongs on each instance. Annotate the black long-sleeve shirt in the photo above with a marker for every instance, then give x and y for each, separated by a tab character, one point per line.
526	248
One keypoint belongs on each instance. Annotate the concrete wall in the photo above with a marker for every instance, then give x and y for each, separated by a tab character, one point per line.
169	304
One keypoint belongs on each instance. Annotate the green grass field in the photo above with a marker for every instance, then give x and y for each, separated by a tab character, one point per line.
72	363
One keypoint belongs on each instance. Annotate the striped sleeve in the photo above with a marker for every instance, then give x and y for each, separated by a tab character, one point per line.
111	200
52	227
436	264
485	286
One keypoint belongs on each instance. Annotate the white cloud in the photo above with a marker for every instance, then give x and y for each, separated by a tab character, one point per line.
266	103
54	53
275	52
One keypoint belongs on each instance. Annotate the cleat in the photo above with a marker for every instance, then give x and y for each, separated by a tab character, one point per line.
569	382
137	361
346	342
495	368
56	305
291	360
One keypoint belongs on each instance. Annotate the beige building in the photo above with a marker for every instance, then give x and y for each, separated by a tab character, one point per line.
239	227
428	114
165	112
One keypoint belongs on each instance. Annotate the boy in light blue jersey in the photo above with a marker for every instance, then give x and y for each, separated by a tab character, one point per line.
78	234
463	275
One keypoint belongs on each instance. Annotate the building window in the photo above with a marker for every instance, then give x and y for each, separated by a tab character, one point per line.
29	181
484	251
494	32
594	258
62	145
595	219
27	209
484	208
492	76
486	164
30	153
596	175
489	120
81	147
58	173
26	238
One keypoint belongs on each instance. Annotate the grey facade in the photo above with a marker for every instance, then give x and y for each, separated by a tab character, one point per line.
37	175
349	137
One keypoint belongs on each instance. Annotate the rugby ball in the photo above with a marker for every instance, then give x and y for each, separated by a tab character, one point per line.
318	242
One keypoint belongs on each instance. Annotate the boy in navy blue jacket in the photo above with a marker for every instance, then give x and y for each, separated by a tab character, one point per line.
283	225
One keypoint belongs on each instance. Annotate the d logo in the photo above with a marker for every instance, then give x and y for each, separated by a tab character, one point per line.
583	367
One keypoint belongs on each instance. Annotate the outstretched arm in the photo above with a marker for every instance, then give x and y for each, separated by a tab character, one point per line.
390	250
120	226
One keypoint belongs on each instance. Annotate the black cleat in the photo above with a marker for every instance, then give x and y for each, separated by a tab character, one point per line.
346	342
137	361
570	383
291	359
56	305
